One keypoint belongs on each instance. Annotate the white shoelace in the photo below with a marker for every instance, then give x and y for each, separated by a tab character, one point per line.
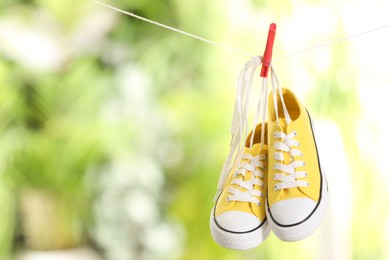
254	165
239	130
288	177
239	127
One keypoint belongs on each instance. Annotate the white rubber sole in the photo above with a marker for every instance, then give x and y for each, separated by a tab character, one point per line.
238	241
306	228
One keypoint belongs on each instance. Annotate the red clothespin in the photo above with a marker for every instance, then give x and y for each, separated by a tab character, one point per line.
267	57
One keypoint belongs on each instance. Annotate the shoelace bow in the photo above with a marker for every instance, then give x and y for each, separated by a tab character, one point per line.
245	191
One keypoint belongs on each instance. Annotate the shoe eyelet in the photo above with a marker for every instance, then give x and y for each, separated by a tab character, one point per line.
228	199
307	184
275	188
258	204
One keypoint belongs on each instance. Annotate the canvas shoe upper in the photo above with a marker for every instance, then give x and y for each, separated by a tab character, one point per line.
297	195
238	219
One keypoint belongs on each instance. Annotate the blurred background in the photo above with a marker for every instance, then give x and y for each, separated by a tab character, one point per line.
113	131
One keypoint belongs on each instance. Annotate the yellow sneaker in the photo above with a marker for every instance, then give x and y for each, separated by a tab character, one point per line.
297	196
238	219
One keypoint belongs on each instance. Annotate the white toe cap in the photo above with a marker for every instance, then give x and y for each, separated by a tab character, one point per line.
292	211
237	221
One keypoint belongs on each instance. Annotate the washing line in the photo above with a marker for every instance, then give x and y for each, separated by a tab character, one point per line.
237	50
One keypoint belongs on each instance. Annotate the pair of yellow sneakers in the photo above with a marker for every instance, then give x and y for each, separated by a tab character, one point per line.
278	185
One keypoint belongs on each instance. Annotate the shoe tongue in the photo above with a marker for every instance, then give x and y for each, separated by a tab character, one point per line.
255	149
282	123
248	176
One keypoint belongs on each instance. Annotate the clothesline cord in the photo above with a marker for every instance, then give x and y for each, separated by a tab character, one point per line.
332	42
236	49
176	30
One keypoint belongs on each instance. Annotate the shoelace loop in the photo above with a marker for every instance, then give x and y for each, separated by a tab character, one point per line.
246	192
289	177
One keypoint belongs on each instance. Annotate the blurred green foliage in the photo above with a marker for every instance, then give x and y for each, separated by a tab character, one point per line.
125	90
57	134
